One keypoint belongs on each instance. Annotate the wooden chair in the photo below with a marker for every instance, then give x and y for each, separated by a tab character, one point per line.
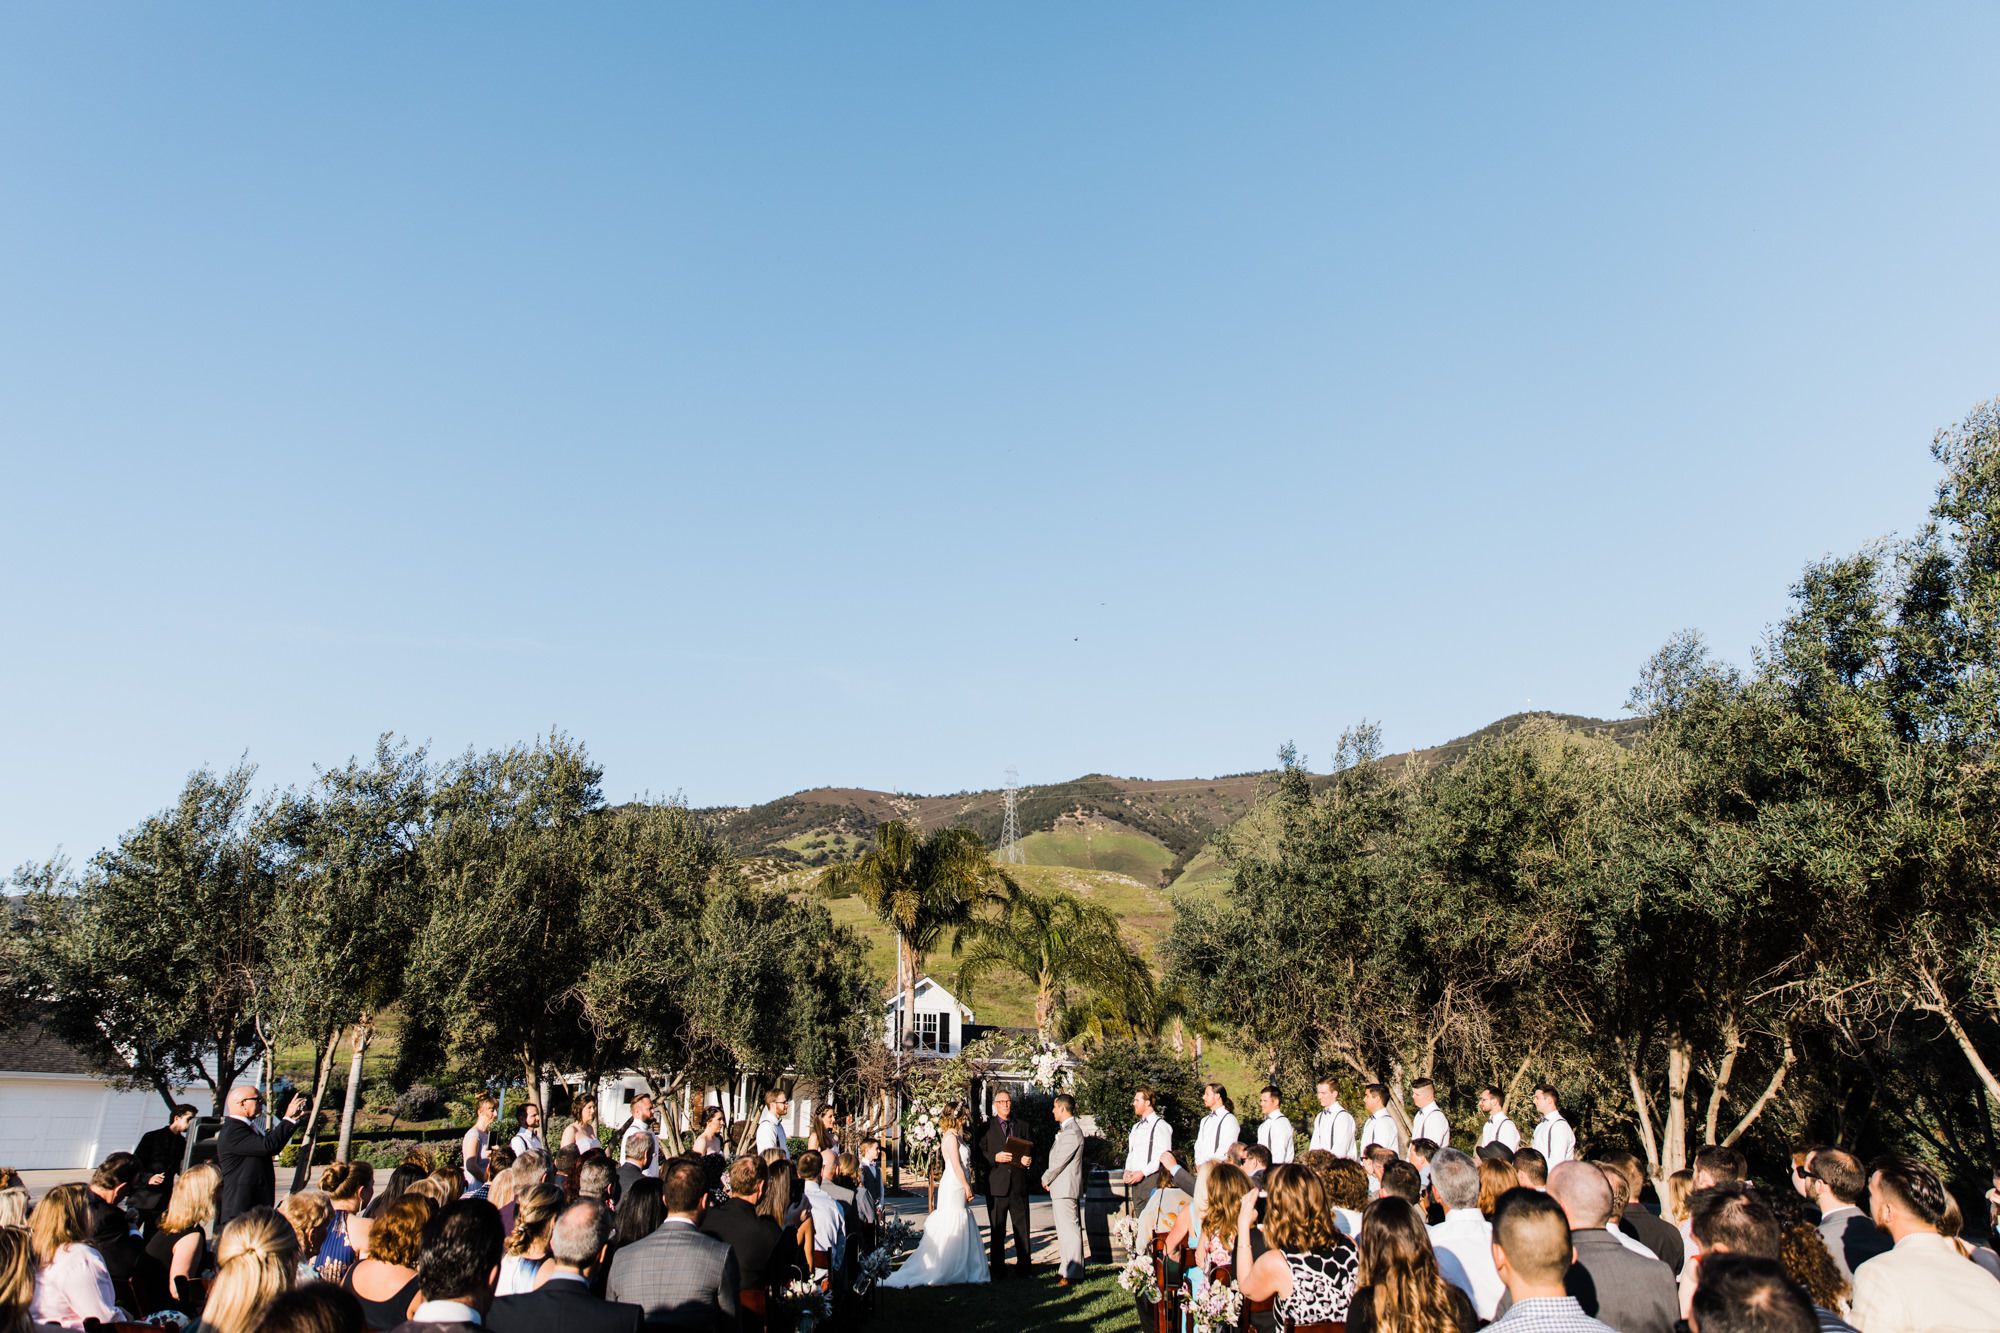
118	1326
191	1294
756	1303
1251	1307
129	1297
1339	1326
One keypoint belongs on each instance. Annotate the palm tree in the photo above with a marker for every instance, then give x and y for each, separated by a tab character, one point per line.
921	885
1061	944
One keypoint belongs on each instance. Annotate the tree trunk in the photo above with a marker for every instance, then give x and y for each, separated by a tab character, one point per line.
1940	1004
1642	1108
1732	1046
1673	1140
1770	1091
324	1064
364	1031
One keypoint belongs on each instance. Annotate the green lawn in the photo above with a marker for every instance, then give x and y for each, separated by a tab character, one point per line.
1009	1306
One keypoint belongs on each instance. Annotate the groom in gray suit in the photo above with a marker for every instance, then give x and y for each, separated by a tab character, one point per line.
1063	1179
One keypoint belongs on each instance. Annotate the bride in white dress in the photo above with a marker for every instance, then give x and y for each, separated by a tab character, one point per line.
952	1251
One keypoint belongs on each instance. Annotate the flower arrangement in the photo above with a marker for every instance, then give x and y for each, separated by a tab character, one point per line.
1125	1231
1214	1306
1136	1277
802	1296
1052	1073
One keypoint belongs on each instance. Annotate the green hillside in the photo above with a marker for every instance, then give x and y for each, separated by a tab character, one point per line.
1099	846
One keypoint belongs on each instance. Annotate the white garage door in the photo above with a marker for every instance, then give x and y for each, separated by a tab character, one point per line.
49	1123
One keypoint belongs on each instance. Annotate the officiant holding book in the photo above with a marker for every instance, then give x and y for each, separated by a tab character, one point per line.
1007	1151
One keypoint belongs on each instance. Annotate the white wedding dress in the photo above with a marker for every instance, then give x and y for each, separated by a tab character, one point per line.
952	1251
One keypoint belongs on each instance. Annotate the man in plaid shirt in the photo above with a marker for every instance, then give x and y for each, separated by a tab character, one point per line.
1532	1250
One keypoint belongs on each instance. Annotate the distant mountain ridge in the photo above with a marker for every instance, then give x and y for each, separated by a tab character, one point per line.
827	824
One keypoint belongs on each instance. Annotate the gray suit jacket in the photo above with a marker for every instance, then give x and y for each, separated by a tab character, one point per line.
1063	1178
682	1278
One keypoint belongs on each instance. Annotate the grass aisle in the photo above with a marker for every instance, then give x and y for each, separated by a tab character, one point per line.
1094	1303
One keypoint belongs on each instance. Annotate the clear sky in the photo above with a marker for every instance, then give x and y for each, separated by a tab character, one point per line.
789	395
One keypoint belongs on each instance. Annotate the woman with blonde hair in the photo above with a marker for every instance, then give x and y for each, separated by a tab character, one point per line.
17	1280
386	1281
1679	1186
71	1284
311	1214
1398	1286
256	1257
348	1186
528	1246
180	1246
1310	1266
14	1204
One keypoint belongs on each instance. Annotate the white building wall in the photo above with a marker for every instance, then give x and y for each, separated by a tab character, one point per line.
62	1122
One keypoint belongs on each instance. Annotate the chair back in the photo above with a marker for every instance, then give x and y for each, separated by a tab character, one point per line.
1338	1326
756	1304
192	1293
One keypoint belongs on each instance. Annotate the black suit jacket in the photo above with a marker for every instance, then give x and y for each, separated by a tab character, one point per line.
754	1237
159	1154
629	1174
245	1157
124	1254
562	1306
1654	1232
1003	1179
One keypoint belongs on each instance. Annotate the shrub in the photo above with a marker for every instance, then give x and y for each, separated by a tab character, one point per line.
1105	1083
420	1101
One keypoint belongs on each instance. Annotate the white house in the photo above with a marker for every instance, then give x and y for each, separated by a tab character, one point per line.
57	1113
938	1021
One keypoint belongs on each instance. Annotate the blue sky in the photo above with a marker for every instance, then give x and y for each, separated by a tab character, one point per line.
884	394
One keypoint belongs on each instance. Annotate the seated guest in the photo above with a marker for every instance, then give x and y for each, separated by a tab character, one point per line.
579	1242
316	1307
638	1152
311	1214
1838	1185
1256	1161
257	1260
1633	1293
1532	1168
790	1260
1743	1221
386	1281
1401	1181
1347	1193
752	1235
597	1182
639	1216
1656	1233
1398	1287
70	1282
1531	1250
1743	1294
1924	1282
1495	1179
567	1160
829	1219
180	1246
349	1186
458	1265
1463	1239
528	1240
1309	1269
1374	1158
681	1277
111	1233
1621	1196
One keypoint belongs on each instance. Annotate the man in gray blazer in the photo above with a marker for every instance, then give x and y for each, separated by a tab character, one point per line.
681	1277
1063	1178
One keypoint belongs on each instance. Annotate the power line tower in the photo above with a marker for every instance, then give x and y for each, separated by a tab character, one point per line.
1010	832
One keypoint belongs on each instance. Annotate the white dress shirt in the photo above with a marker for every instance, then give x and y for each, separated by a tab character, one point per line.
529	1141
1150	1138
1430	1123
1923	1284
1218	1129
1381	1128
445	1312
1555	1140
1333	1130
1276	1133
1467	1236
1501	1129
829	1227
771	1134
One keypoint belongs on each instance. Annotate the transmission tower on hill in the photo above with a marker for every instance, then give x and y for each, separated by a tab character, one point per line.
1010	832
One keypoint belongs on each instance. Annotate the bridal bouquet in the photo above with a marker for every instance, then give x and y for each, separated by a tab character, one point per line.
1137	1278
1214	1306
924	1130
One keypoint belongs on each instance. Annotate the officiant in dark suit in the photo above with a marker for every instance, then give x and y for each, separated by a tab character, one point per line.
1006	1187
245	1154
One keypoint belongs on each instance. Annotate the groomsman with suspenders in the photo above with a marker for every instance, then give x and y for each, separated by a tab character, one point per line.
1381	1126
1500	1127
1276	1134
1429	1121
1333	1127
1554	1139
1151	1138
1218	1129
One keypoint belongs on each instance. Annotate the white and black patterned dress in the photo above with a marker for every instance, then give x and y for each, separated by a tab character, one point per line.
1322	1286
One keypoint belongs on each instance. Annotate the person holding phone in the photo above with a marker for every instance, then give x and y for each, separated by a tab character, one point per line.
247	1156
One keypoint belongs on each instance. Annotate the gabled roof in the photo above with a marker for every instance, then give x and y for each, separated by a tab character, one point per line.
29	1049
925	985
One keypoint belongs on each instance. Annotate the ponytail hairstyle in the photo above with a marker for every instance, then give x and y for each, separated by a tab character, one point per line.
1223	1094
193	1203
256	1258
535	1214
